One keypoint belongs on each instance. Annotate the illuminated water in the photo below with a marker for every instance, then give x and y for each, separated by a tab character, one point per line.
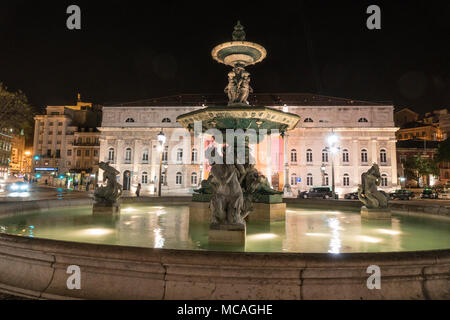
305	230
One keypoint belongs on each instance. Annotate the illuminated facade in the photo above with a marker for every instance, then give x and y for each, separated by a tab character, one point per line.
66	143
365	131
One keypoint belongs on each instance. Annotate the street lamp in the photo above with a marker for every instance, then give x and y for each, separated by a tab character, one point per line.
161	139
332	139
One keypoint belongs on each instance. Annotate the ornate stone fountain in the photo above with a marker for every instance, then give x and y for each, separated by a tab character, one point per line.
233	189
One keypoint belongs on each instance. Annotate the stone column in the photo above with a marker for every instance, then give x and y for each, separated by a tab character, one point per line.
269	159
354	158
392	158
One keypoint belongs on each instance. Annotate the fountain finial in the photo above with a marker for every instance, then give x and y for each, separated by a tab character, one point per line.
238	33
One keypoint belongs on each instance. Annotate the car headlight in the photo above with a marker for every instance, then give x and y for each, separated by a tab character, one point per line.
14	187
24	187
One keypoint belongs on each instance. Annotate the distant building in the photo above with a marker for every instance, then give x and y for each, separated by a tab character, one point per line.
16	165
66	143
405	116
425	149
5	153
420	131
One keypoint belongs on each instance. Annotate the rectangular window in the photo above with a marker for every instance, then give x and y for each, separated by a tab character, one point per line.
58	153
69	152
95	153
79	153
86	153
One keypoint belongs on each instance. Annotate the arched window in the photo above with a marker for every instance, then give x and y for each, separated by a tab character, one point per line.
194	180
384	180
363	120
144	178
346	180
166	120
178	178
293	179
309	179
128	154
345	157
325	178
165	154
179	155
293	155
111	154
364	156
324	155
194	157
129	120
145	156
383	156
309	157
308	120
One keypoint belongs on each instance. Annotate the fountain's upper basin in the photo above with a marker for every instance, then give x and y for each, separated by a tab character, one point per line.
238	52
239	117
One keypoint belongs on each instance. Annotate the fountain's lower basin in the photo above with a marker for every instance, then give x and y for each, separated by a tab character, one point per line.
37	267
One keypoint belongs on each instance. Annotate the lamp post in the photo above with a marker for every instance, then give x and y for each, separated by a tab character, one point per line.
161	140
332	139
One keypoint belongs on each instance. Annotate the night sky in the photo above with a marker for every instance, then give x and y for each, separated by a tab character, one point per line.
134	50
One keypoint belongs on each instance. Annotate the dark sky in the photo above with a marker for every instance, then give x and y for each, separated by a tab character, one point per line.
133	50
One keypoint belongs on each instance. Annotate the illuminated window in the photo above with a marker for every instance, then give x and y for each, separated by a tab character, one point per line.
324	155
111	154
364	156
309	157
293	179
309	179
346	180
384	180
194	155
178	178
383	157
144	178
194	179
345	156
180	155
293	155
128	154
145	156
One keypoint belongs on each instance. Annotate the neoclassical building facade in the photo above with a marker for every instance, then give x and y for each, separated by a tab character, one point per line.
303	158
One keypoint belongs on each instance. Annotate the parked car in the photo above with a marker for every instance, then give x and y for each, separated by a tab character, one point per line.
402	194
317	192
444	195
429	193
351	195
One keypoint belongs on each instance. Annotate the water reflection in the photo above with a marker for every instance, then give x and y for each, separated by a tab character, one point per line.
304	230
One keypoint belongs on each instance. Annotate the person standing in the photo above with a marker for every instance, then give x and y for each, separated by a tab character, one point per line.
138	190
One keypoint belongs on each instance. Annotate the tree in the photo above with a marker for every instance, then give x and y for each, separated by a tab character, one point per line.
443	152
15	111
416	167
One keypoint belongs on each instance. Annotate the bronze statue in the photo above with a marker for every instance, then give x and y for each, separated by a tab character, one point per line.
368	192
113	190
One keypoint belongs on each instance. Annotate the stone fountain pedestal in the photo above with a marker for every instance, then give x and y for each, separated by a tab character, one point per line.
106	209
375	213
199	211
227	234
